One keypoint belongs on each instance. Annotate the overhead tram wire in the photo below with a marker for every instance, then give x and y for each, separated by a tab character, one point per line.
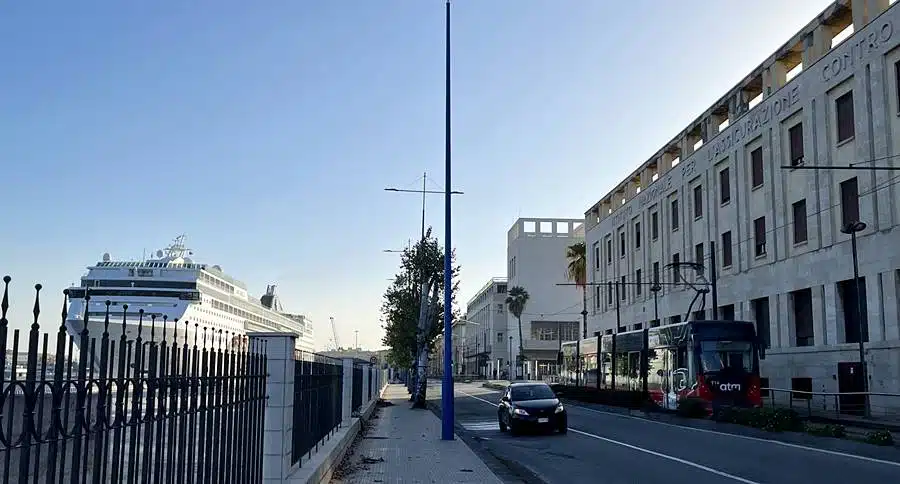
895	180
665	270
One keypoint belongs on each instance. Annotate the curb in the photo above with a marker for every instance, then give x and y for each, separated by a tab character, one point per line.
321	466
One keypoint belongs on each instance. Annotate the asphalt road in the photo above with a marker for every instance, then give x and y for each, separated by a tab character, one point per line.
610	448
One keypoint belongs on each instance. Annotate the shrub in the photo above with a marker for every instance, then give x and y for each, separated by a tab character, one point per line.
772	420
880	437
692	408
827	430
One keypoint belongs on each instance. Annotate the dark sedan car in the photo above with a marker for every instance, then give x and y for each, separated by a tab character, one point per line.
531	406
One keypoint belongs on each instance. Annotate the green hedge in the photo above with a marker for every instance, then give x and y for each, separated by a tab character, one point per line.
880	437
827	430
772	420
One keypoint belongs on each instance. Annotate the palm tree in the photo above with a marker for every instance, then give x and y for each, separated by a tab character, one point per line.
516	300
576	271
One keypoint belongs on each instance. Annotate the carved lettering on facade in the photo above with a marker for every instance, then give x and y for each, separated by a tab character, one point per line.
855	52
771	108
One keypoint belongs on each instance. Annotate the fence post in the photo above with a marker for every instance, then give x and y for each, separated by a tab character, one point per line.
279	419
365	386
347	394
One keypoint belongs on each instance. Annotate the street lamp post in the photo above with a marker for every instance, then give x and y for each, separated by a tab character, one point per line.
656	288
509	361
447	402
852	228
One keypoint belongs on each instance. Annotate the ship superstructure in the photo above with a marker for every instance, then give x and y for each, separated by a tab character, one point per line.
177	295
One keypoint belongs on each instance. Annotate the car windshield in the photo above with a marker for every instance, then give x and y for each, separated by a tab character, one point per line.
531	392
726	355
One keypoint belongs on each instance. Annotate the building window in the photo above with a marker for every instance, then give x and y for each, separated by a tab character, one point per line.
597	297
726	249
801	302
698	201
756	167
674	215
637	235
849	201
698	253
609	293
759	236
795	134
597	255
656	272
637	278
760	308
622	244
676	270
844	112
609	250
623	292
654	225
727	312
848	297
499	337
800	232
897	80
724	187
801	388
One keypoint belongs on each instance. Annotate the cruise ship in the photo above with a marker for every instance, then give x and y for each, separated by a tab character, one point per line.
173	287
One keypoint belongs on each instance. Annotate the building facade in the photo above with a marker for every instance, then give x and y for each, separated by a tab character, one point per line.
735	188
487	348
536	257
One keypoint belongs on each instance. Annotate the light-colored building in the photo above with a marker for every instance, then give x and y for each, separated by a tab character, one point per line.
536	257
823	99
487	348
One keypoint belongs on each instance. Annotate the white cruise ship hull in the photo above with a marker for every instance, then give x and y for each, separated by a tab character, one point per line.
191	302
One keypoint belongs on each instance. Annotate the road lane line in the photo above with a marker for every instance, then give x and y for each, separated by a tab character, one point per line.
664	456
745	437
641	449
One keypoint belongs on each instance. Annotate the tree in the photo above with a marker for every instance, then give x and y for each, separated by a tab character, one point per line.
409	340
576	271
516	300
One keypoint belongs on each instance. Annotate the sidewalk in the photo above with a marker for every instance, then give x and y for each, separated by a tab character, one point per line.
404	446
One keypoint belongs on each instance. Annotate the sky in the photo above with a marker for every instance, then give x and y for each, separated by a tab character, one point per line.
267	131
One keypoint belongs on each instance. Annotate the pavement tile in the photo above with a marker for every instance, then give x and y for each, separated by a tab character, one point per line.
404	446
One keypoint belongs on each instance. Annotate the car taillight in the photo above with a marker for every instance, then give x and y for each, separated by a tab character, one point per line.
703	390
754	395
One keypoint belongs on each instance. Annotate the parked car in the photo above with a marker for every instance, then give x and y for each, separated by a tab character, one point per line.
531	406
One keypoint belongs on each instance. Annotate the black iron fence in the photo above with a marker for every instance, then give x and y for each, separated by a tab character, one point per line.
357	399
178	403
318	397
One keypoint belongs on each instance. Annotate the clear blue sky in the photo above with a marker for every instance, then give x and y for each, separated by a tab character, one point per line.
266	131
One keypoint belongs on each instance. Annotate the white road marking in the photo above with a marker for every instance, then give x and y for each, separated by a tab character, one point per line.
664	456
745	437
481	425
641	449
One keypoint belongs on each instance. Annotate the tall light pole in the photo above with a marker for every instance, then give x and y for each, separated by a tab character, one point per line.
447	410
852	228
